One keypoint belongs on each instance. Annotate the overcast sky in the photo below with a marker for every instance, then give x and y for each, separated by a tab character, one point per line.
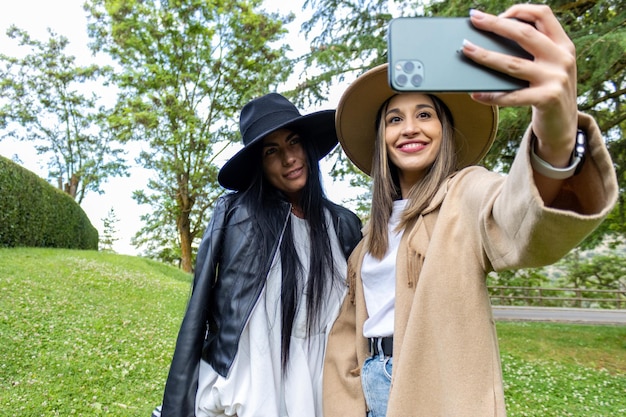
67	18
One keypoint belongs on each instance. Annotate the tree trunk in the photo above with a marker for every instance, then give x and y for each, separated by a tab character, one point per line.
72	186
184	233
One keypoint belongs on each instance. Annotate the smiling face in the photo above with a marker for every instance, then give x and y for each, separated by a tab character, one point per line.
285	163
413	136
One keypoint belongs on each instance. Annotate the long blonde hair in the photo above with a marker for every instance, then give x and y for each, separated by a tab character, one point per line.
386	186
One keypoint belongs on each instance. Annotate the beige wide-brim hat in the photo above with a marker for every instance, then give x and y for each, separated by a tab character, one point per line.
475	124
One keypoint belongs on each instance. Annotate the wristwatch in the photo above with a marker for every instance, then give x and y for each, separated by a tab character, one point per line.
576	161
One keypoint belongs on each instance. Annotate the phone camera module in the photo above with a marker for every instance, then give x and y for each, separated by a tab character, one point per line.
416	80
408	73
401	80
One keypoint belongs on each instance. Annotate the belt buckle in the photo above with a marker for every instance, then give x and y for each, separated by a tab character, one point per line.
376	345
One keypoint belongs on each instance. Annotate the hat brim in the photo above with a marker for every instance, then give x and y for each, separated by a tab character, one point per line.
475	124
317	127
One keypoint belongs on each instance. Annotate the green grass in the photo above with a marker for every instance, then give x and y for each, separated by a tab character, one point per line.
563	369
87	333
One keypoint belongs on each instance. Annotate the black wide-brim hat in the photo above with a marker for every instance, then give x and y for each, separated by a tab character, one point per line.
264	115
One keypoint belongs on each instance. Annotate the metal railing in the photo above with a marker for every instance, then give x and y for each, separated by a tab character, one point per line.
557	297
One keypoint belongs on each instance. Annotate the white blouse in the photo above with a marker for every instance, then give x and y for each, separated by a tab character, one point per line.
379	281
256	385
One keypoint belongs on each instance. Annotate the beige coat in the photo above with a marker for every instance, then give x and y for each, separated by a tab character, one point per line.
446	357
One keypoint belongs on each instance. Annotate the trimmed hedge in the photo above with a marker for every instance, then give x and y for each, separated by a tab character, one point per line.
33	213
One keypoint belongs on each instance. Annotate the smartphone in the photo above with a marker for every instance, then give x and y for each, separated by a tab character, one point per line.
424	54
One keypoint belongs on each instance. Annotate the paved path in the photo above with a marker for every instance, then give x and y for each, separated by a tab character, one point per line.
563	315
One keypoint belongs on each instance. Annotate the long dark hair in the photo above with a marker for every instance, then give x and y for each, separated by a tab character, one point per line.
269	206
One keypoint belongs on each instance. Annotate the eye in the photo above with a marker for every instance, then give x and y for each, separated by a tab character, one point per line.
269	151
393	119
424	115
295	140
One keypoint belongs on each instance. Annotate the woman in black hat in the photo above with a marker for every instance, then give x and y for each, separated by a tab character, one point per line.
269	277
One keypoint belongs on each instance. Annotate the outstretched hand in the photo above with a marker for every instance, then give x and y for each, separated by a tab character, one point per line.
551	75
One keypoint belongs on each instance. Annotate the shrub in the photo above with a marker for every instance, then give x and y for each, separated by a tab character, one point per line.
36	214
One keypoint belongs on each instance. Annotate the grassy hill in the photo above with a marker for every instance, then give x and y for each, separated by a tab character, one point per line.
87	333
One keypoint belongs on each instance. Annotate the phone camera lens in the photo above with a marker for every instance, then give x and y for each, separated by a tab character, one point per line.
409	67
416	80
401	79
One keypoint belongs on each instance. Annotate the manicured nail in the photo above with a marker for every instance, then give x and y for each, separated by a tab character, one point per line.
468	46
477	14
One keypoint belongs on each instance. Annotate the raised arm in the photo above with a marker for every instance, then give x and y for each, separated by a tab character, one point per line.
552	83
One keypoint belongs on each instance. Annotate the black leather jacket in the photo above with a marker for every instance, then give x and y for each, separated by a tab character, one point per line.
226	302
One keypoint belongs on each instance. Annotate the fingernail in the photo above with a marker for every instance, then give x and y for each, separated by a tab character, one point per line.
468	46
476	13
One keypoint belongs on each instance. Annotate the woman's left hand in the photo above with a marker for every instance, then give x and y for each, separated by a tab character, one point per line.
551	75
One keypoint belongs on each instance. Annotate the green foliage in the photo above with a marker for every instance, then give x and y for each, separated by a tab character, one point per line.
186	69
589	279
606	271
33	213
528	277
43	92
348	38
109	232
343	169
92	333
515	287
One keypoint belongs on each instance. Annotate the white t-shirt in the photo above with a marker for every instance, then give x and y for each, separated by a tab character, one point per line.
256	385
379	281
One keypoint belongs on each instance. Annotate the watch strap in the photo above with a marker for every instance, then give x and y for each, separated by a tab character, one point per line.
576	161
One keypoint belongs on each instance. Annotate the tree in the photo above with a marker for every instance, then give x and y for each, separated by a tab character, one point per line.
348	38
528	277
186	67
43	92
516	284
109	232
604	271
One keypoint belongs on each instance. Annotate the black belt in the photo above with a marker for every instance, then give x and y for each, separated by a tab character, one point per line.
381	344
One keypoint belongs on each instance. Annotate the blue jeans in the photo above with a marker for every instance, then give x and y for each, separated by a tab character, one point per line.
376	381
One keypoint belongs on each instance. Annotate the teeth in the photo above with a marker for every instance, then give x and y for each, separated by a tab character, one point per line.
293	173
411	146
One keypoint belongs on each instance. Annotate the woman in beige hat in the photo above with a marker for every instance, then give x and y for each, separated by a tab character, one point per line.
416	336
269	276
